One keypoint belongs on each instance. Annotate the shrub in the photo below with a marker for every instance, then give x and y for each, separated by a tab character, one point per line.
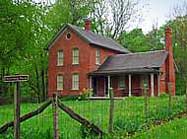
86	133
160	113
164	95
85	94
128	125
70	97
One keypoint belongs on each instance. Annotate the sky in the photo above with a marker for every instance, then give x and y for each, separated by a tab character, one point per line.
157	12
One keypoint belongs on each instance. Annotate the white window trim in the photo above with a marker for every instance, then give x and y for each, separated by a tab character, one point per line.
98	57
120	80
57	82
58	58
75	86
73	56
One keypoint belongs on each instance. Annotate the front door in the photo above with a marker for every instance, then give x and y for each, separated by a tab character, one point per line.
100	86
94	86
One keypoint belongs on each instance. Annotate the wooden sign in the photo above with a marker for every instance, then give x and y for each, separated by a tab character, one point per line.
16	78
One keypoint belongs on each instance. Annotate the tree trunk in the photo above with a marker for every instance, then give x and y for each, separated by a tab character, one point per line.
3	87
43	85
38	82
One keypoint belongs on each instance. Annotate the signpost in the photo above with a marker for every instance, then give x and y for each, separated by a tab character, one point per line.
16	79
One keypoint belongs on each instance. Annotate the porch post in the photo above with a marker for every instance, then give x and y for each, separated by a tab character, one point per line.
130	85
108	85
90	82
158	84
152	84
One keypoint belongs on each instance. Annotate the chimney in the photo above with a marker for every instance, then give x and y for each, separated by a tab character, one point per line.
87	24
170	68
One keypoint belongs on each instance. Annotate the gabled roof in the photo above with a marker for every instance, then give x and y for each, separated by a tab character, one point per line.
91	38
135	62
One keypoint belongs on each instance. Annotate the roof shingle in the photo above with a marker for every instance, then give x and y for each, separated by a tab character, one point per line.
92	38
134	62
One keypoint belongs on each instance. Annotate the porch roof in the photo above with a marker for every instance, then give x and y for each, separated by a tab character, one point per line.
125	71
143	62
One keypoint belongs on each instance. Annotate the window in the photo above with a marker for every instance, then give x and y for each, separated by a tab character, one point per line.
75	81
60	58
146	81
60	83
75	56
98	56
121	82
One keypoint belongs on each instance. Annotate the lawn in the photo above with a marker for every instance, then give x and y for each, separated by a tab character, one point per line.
175	129
128	117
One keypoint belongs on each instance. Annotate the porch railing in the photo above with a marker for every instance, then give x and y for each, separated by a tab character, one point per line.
135	92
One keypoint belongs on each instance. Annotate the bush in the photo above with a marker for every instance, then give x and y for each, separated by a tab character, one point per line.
86	133
85	94
128	125
70	97
164	95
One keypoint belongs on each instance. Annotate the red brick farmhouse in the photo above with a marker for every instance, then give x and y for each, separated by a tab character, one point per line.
81	59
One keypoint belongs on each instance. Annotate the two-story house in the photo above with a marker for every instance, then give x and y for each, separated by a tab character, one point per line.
79	58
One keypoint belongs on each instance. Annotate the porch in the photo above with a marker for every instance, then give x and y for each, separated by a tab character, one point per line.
125	84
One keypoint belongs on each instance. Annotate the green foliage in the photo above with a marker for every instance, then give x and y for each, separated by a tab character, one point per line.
164	95
136	41
175	129
31	133
179	30
86	133
85	94
70	97
128	125
26	28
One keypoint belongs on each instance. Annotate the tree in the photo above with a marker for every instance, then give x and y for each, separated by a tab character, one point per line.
23	38
155	38
69	11
16	25
114	16
179	27
135	40
26	28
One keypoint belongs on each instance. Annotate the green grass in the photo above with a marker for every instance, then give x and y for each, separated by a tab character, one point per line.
129	117
175	129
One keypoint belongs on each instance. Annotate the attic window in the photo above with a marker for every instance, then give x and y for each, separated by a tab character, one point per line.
68	36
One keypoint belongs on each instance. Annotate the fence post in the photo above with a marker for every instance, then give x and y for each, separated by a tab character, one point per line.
146	101
170	99
17	111
55	115
186	96
111	112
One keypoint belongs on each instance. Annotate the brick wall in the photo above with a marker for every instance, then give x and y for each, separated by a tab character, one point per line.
87	62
